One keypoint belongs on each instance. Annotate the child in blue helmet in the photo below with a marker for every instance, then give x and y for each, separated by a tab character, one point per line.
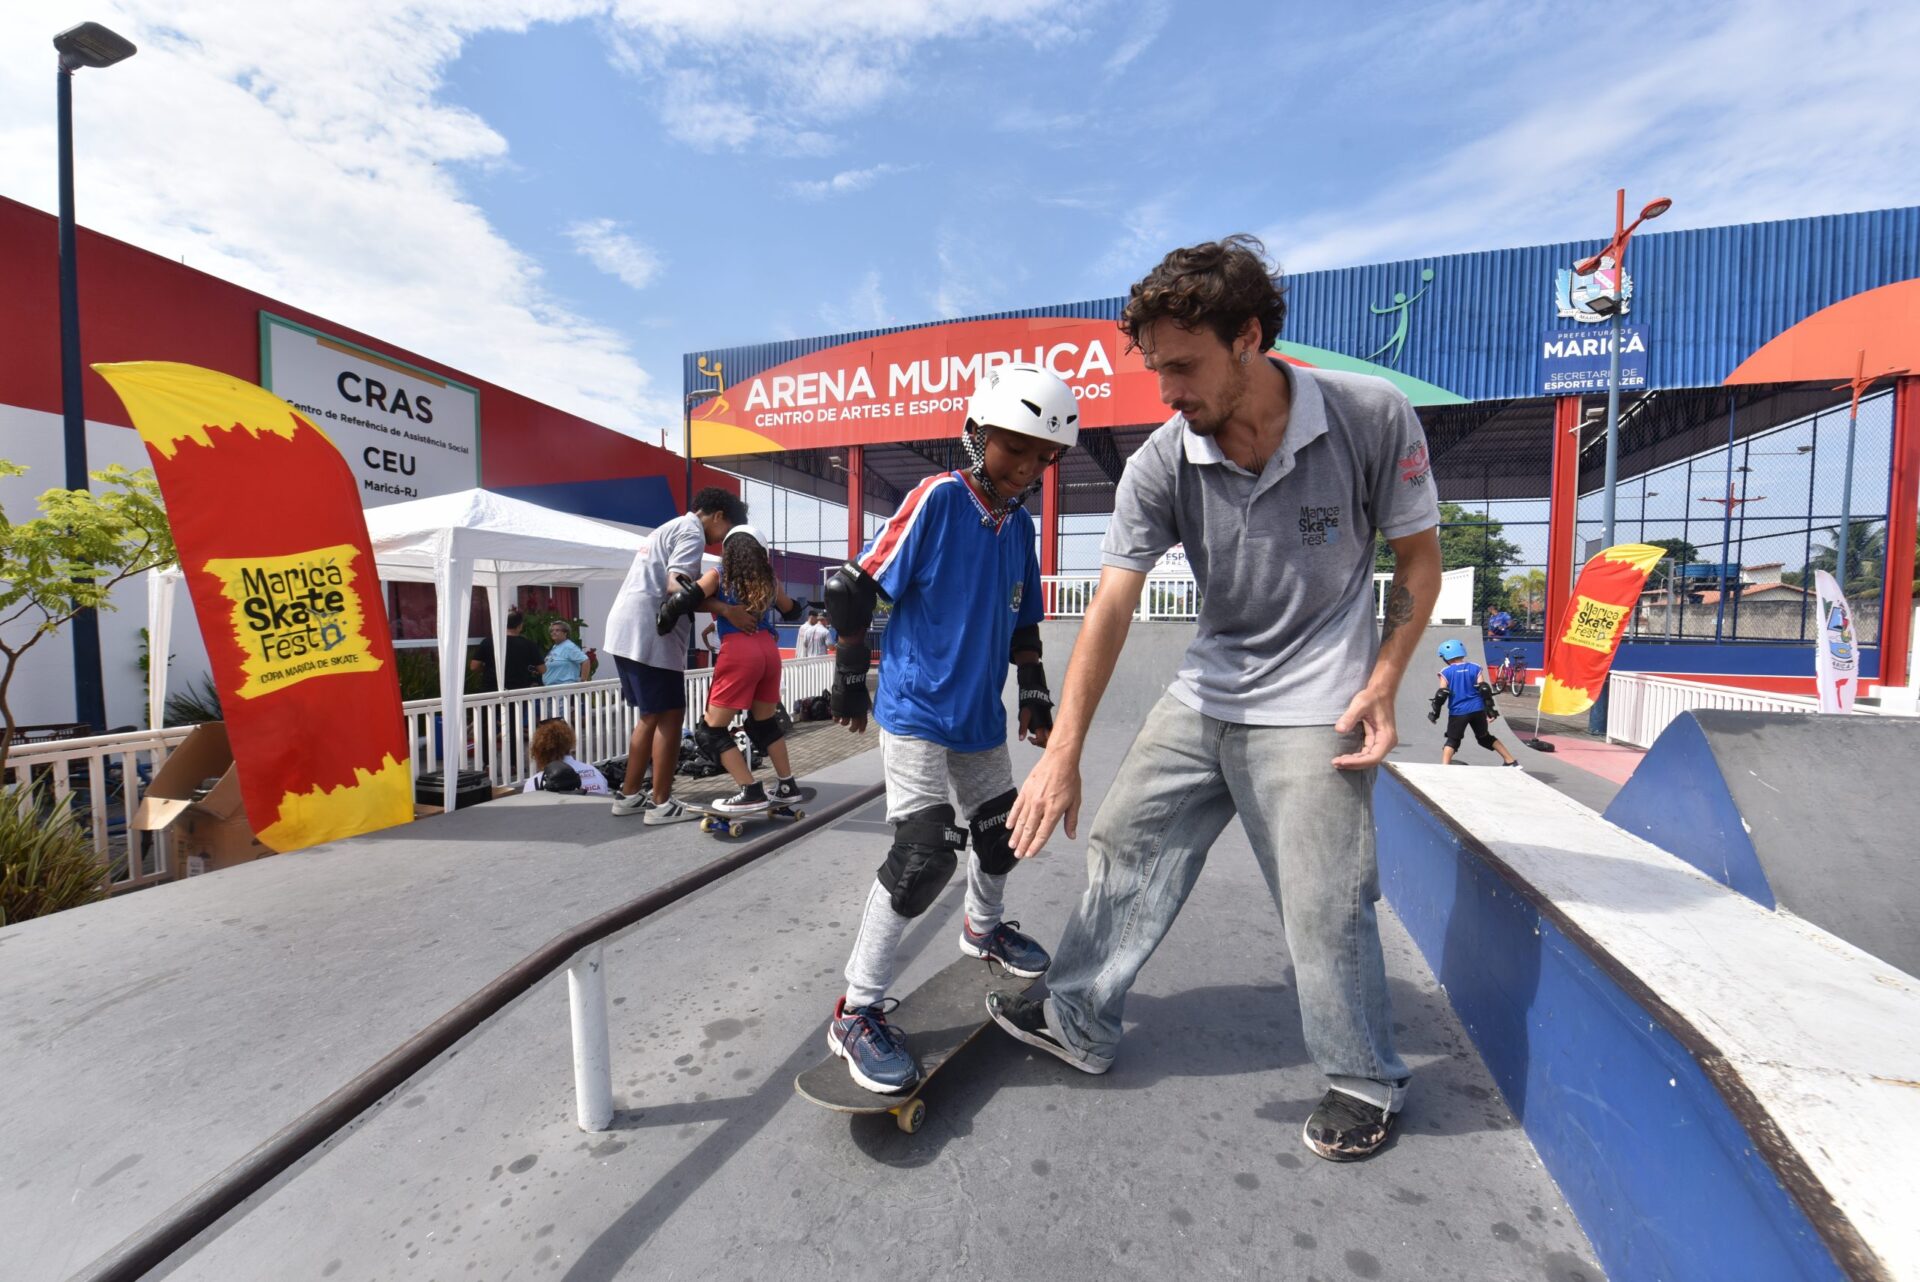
1468	701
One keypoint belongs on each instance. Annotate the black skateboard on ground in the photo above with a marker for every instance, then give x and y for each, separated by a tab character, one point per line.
722	824
939	1018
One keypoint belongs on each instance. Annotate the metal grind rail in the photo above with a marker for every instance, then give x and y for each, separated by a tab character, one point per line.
579	951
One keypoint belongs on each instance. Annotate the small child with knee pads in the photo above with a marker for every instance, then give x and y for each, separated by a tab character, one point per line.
1469	703
958	563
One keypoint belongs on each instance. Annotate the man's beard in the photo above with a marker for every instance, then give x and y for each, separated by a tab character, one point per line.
1205	423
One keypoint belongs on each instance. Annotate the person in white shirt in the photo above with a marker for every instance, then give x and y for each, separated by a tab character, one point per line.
552	746
653	666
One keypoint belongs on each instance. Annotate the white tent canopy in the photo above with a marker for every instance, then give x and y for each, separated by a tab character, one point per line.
456	541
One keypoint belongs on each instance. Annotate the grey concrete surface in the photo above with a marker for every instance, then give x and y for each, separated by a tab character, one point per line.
149	1041
152	1040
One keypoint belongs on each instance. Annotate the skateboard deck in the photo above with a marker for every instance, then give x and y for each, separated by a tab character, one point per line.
939	1018
717	823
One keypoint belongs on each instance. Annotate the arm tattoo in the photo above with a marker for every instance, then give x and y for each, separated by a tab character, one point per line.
1399	610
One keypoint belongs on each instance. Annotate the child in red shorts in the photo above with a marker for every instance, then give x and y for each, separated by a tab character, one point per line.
742	595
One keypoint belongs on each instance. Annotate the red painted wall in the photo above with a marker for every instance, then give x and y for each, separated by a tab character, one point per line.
139	306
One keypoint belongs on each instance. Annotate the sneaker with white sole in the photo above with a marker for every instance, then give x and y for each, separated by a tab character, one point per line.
1021	954
669	811
1026	1019
876	1052
750	800
632	803
785	791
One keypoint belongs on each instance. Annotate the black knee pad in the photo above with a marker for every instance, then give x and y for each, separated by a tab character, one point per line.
926	847
712	741
992	843
764	734
1485	737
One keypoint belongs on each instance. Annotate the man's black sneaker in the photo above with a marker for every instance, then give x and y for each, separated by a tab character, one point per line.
1346	1128
1026	1019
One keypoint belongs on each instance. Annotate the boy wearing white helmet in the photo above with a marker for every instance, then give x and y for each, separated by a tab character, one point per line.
957	562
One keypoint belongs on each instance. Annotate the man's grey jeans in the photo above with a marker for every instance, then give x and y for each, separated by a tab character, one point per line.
1311	828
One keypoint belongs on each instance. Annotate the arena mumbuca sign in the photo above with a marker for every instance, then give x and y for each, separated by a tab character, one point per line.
914	385
405	433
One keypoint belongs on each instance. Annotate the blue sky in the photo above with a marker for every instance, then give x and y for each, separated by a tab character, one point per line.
565	195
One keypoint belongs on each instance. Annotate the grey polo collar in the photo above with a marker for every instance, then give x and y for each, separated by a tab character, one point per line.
1306	423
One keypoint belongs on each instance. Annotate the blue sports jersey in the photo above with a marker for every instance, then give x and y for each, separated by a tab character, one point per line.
959	588
722	628
1462	699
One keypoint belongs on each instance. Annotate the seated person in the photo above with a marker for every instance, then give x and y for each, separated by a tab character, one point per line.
556	769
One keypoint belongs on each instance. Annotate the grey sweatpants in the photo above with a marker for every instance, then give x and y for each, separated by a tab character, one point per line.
921	775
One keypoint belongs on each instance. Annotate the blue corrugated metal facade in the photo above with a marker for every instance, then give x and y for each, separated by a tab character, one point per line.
1707	299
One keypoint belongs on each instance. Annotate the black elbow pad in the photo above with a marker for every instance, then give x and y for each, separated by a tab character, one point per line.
851	594
1024	639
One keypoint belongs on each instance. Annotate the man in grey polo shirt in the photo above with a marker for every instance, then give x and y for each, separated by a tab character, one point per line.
1276	479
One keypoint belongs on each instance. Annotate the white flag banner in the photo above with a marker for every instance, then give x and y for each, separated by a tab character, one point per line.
1836	657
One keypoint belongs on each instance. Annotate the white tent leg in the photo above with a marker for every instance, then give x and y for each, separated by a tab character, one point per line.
454	593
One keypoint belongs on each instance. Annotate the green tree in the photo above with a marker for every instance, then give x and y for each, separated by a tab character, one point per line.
1679	553
1866	558
69	558
1467	538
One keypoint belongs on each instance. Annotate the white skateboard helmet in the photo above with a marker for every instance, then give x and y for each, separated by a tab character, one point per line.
1026	399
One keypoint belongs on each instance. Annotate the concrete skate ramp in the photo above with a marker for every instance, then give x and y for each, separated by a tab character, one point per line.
1816	815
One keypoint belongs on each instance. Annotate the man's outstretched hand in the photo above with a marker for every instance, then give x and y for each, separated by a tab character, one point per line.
1050	794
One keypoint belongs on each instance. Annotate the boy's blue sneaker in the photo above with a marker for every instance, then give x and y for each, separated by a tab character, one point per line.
876	1052
1019	953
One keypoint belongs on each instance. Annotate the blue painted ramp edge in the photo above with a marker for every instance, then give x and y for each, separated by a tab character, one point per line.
1678	800
1672	1166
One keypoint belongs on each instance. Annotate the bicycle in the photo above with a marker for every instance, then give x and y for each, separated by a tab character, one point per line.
1511	675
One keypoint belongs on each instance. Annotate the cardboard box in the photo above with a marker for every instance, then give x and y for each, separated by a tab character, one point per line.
209	832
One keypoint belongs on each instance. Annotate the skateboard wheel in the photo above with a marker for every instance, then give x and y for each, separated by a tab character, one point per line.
908	1117
706	825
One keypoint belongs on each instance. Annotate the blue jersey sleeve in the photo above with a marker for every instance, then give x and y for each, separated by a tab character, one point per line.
1031	606
901	545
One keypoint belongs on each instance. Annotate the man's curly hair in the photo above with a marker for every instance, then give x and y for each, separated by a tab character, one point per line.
1220	284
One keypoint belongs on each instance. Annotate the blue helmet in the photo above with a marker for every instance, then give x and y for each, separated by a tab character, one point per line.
1452	651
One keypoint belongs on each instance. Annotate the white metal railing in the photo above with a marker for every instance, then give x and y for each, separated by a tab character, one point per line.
1170	597
1641	705
500	725
1067	596
102	779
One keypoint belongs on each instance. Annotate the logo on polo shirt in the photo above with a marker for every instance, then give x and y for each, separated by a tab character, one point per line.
1319	526
1414	466
1018	595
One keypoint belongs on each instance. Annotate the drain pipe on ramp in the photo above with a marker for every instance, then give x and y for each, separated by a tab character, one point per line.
579	951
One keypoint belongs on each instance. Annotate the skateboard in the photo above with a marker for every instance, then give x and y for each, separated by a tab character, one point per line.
718	823
940	1018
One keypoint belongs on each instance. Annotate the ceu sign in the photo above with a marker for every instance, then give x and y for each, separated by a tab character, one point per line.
405	433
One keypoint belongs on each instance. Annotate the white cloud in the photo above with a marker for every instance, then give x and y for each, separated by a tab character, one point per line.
604	244
1148	19
1740	115
865	308
1145	237
306	158
847	181
747	73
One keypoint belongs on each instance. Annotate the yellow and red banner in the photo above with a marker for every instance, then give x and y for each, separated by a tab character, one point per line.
267	517
1603	601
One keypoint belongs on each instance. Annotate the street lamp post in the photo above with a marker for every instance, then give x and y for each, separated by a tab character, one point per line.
1616	249
87	45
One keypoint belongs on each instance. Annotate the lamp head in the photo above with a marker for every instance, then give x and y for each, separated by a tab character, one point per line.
1655	208
92	45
